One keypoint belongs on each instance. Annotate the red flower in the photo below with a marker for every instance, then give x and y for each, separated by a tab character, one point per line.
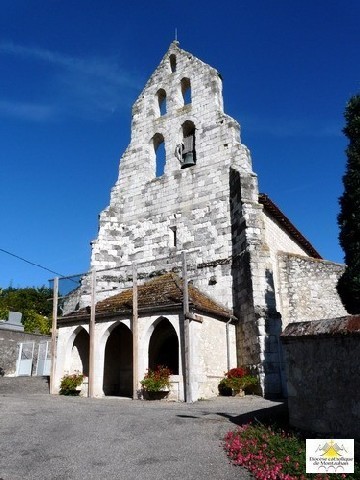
236	373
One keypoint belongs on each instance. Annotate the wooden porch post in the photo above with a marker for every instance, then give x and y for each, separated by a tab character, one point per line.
92	336
135	334
54	335
187	356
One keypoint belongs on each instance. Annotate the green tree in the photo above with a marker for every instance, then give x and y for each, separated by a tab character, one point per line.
349	217
34	303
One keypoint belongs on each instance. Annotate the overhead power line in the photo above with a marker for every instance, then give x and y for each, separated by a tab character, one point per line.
30	263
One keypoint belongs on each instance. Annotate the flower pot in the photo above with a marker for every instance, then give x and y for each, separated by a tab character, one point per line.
159	395
238	393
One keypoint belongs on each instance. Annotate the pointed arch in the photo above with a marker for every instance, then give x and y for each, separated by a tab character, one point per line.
118	361
80	352
164	346
69	366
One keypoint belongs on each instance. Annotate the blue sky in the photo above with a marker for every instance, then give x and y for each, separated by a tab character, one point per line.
71	70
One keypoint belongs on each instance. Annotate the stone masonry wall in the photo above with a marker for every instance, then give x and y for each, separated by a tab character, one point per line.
308	288
208	346
9	349
276	239
251	260
322	362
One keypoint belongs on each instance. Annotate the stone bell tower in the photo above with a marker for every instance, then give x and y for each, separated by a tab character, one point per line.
180	200
200	195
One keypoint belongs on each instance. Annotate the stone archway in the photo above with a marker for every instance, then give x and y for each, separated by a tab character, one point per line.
118	362
164	347
80	346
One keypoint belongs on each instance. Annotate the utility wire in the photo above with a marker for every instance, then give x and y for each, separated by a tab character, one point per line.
30	263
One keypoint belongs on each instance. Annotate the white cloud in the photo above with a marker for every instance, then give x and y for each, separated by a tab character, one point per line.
106	69
26	111
89	87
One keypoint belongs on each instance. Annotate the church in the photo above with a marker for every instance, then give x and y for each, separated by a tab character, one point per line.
192	267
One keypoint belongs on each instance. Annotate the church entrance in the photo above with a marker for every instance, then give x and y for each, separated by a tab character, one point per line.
80	353
164	347
118	363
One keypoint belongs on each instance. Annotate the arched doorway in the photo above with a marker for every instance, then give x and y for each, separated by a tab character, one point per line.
118	363
80	353
164	347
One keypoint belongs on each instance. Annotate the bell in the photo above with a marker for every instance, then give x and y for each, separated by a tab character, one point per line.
188	160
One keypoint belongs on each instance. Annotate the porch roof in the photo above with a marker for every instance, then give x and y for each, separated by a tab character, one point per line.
161	293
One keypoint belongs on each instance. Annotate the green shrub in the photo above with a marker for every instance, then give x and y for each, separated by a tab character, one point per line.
69	384
156	380
224	388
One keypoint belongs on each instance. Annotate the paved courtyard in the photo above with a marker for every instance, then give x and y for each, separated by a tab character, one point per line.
54	437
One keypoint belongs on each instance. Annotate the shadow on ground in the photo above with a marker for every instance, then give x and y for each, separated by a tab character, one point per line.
278	414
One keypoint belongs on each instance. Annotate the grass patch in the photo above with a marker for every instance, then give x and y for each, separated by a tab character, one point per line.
272	453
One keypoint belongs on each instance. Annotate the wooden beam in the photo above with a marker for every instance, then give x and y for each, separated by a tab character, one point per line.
195	317
187	356
135	334
91	393
54	335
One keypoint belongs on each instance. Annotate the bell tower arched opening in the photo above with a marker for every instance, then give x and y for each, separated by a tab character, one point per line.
186	90
161	96
160	154
172	59
188	142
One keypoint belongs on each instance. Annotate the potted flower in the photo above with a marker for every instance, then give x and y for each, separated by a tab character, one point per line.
237	381
71	384
156	383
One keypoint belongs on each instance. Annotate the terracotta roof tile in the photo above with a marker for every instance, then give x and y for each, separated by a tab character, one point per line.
347	325
165	291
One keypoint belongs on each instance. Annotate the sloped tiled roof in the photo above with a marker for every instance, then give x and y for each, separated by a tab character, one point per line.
275	212
161	293
340	326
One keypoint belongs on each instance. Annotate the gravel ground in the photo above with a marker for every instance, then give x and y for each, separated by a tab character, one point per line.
55	437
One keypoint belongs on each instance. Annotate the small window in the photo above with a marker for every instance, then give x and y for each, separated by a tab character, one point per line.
174	237
161	94
159	149
172	59
186	90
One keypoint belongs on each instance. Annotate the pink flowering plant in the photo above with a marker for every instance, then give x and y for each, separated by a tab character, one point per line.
235	380
273	454
156	380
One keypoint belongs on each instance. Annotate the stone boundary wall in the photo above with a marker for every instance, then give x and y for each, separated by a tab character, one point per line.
322	363
9	351
308	288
